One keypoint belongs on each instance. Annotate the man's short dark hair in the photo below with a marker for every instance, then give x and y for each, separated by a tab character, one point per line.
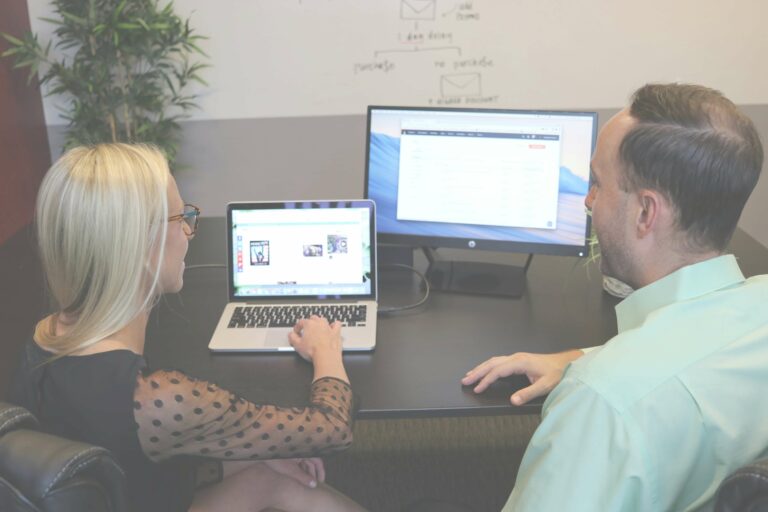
694	146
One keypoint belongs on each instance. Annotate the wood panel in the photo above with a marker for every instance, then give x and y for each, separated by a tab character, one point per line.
24	158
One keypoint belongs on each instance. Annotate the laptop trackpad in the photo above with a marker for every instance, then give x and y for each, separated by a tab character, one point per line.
277	338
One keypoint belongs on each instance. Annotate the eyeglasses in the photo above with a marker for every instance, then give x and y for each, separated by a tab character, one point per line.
190	217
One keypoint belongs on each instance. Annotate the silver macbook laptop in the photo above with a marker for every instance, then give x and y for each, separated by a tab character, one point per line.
290	260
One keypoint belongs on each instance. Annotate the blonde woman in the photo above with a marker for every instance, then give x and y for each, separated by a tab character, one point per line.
113	232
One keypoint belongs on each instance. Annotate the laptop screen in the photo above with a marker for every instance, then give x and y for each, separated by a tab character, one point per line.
302	249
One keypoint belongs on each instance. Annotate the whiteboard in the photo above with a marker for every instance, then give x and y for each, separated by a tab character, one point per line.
286	58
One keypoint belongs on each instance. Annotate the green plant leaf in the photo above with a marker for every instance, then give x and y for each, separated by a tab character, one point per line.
67	45
143	128
51	20
199	80
11	39
23	63
119	9
75	19
117	67
197	49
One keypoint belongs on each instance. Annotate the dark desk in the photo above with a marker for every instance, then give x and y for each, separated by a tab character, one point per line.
420	355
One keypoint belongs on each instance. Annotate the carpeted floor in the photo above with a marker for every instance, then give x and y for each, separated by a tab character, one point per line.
394	463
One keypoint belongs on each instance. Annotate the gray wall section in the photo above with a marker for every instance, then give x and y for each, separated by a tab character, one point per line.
753	220
317	158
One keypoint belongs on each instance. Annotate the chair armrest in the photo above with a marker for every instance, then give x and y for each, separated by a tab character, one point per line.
13	417
746	490
62	475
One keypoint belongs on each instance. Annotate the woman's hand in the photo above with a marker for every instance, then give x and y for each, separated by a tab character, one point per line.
319	342
307	472
314	335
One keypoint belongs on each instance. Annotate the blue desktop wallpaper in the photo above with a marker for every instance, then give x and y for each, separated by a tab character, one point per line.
384	161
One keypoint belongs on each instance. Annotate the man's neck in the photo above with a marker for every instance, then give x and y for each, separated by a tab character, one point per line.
664	264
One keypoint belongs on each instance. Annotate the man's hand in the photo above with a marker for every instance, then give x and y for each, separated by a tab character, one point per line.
544	371
308	472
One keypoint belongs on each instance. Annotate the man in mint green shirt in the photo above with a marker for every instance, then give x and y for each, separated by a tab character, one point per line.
657	417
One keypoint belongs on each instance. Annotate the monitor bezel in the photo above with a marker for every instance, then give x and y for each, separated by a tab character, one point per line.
512	246
304	204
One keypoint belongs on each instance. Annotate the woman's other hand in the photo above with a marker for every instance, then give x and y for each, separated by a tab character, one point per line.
309	471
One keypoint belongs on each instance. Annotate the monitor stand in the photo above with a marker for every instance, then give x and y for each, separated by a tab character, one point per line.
476	277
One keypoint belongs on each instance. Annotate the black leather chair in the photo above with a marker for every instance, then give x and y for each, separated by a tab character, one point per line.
40	472
746	490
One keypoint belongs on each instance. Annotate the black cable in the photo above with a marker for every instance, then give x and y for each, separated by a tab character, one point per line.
206	265
398	309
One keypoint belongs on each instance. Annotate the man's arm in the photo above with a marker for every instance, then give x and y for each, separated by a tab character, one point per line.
584	456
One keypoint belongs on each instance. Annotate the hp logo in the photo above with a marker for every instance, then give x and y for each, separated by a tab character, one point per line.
471	244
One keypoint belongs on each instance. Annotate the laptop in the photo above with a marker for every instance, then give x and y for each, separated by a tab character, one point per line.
290	260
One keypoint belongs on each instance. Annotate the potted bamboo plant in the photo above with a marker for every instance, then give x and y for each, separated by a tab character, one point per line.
122	67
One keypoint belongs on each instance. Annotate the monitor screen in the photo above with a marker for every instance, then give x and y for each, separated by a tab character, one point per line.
507	180
301	249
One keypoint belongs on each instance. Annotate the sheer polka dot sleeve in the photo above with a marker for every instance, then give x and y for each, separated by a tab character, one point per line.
179	415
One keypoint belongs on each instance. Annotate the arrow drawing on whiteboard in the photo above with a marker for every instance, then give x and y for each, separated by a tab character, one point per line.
446	13
412	50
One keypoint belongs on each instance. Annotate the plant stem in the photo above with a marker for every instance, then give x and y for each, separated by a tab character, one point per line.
122	70
112	127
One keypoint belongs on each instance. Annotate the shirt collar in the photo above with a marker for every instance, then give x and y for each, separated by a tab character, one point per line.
683	284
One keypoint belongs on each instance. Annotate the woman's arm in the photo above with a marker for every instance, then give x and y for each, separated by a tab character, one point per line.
179	415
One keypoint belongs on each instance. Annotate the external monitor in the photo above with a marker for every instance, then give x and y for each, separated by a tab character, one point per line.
480	179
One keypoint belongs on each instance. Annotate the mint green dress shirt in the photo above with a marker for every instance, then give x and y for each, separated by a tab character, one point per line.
657	417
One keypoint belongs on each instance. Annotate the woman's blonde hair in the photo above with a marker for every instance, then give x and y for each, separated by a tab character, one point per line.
101	219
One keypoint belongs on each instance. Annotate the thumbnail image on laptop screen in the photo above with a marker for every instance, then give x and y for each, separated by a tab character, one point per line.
300	249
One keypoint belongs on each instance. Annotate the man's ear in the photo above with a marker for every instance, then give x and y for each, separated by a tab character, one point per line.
652	212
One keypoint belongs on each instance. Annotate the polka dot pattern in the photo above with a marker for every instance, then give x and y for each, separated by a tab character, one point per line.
178	415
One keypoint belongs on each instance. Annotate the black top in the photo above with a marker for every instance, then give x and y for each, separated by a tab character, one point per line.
154	422
90	399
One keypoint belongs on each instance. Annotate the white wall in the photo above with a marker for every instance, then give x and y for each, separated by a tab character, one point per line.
279	58
284	114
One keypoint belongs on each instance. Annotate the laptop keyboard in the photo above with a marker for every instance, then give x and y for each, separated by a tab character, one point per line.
350	315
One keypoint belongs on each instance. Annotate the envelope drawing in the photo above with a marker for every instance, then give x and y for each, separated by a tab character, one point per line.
460	84
417	9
